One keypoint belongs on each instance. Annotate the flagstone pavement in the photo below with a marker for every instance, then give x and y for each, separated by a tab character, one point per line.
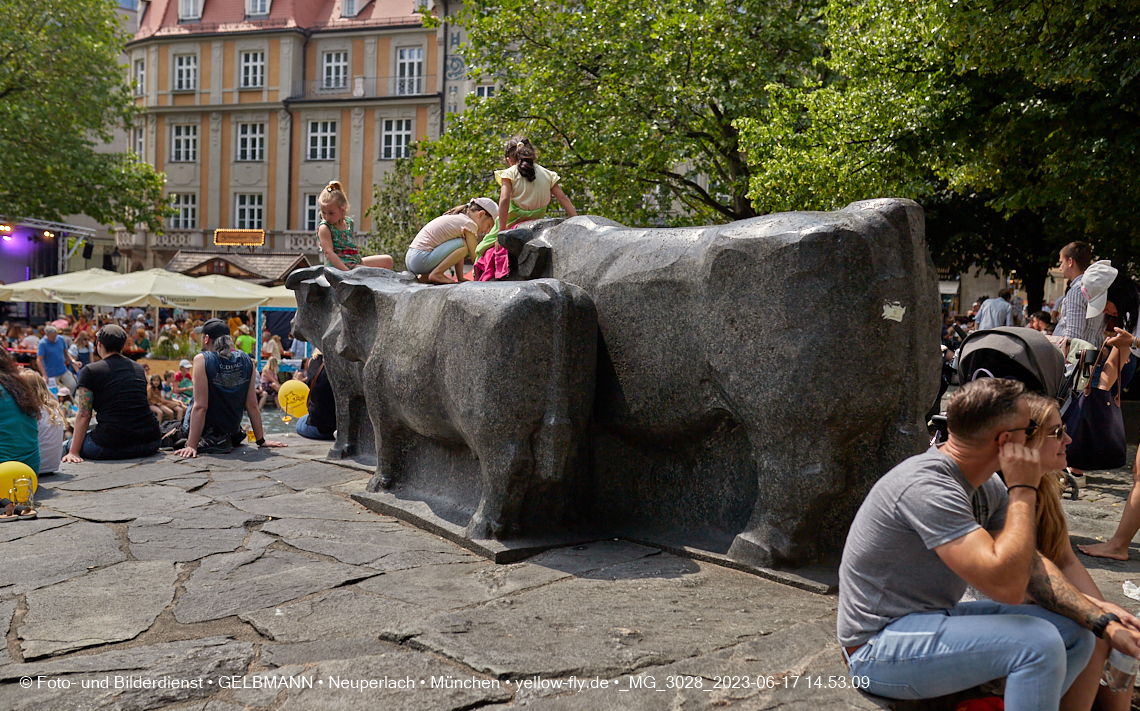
253	581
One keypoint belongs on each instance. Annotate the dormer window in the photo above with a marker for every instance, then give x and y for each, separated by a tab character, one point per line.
348	8
257	7
189	10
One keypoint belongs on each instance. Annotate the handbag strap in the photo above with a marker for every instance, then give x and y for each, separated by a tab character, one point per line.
1088	385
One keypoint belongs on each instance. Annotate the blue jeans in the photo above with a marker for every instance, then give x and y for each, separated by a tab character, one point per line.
309	431
924	655
90	450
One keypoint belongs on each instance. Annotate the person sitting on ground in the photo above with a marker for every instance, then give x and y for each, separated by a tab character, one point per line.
224	388
52	358
320	421
184	379
51	422
19	410
1050	439
115	389
943	520
162	407
270	383
245	342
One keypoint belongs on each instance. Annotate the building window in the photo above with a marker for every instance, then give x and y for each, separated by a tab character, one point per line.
322	140
348	8
189	9
185	144
138	141
396	140
258	7
484	92
251	141
252	70
185	72
312	213
140	77
185	211
336	70
410	70
249	212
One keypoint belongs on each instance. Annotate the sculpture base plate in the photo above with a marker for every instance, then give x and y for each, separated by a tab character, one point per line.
421	515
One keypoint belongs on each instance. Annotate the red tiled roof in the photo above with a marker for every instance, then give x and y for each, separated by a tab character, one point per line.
161	18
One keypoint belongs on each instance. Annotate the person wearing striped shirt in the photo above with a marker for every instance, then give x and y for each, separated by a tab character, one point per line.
1075	259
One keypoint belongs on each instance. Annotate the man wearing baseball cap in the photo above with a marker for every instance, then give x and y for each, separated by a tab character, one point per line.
224	388
447	240
115	388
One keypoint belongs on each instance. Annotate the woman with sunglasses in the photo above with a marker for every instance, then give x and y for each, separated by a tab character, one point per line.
1050	439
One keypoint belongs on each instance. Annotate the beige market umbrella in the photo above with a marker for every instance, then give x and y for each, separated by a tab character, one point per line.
45	289
280	296
159	287
241	286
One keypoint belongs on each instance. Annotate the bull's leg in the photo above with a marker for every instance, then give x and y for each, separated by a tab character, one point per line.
384	429
796	480
507	467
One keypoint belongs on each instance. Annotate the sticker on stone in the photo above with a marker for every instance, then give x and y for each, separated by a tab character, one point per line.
894	310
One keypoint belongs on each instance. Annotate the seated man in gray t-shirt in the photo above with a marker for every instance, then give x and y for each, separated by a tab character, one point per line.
942	520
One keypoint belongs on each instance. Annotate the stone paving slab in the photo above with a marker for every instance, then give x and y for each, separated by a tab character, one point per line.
190	534
396	665
186	661
311	503
128	504
233	490
283	655
56	555
147	473
7	611
109	605
384	544
338	614
22	529
647	612
310	475
451	587
232	583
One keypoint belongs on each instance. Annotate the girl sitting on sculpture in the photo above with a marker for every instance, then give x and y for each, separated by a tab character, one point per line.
450	238
335	233
527	189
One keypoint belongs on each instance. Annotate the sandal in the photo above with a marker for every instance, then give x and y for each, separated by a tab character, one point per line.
7	511
26	513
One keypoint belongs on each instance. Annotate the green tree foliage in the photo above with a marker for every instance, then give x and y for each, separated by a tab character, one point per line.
395	221
62	91
1015	122
633	103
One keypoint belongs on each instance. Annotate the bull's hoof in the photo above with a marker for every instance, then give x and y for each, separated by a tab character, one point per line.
482	528
378	482
753	548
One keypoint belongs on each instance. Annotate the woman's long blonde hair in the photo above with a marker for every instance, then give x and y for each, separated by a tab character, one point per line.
1052	530
44	397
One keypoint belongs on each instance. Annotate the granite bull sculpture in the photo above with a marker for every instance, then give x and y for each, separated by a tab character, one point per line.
754	378
500	371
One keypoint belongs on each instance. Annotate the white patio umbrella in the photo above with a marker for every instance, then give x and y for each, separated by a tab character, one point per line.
281	296
159	287
44	289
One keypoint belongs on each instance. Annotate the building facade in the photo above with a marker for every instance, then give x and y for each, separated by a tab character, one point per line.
251	107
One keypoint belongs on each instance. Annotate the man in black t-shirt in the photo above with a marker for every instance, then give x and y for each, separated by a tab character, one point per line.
224	389
320	422
115	388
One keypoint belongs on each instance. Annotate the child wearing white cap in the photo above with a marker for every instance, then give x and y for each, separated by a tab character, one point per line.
450	238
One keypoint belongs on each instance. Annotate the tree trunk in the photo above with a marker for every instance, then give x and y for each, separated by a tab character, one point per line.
1033	278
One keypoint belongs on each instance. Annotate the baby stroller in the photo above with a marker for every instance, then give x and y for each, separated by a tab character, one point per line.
1020	354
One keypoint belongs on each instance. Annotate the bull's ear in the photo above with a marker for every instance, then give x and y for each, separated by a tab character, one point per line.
514	240
313	292
353	295
296	277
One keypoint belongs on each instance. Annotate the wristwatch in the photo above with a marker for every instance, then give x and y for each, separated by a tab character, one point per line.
1102	622
261	443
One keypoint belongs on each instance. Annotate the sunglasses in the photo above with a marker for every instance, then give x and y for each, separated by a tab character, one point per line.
1058	433
1028	430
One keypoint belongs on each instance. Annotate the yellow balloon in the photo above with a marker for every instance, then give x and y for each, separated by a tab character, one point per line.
294	398
10	473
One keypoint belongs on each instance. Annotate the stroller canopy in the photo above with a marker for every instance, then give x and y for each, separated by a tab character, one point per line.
1018	353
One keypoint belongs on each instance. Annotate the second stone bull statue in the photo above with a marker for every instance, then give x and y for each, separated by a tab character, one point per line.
478	397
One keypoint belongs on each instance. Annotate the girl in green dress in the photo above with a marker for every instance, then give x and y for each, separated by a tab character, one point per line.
335	233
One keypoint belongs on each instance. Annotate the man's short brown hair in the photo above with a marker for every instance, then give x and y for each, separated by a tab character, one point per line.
1079	252
982	405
